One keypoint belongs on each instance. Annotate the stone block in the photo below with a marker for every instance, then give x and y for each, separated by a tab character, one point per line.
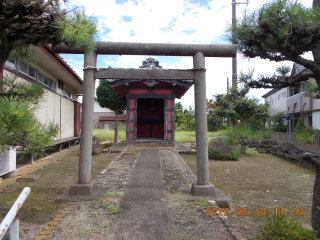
10	174
53	223
40	237
28	178
78	192
202	190
83	189
45	232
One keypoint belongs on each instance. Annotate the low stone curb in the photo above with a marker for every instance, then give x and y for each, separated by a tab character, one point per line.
185	165
51	225
112	150
188	152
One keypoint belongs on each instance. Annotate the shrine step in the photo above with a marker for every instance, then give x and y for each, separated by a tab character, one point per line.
187	152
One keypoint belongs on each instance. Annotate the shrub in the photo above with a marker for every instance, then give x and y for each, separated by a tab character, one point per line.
300	126
279	227
278	122
218	150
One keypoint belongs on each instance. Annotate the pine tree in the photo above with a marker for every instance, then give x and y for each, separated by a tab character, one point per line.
282	30
27	22
18	125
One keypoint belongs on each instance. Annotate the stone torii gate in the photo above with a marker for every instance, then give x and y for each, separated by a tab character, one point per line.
198	51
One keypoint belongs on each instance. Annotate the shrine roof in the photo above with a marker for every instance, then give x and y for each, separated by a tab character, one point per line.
121	85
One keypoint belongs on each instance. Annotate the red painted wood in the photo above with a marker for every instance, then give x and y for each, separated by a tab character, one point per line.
150	109
131	117
163	91
158	129
138	91
131	103
159	84
169	103
169	136
76	119
169	126
169	115
143	129
131	136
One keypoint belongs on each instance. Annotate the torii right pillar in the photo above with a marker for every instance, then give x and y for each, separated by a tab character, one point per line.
202	187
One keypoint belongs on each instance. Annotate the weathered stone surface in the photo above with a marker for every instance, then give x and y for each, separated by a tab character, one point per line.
40	237
53	223
160	49
45	232
28	178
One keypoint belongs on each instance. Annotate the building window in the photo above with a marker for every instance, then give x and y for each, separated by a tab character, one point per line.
67	93
11	63
43	79
27	70
60	84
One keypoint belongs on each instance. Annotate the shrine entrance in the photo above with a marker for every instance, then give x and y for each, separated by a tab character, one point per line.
150	118
150	104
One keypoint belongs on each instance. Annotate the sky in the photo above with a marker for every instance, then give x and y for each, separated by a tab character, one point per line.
172	21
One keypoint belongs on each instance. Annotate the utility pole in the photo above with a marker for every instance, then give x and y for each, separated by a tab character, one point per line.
234	59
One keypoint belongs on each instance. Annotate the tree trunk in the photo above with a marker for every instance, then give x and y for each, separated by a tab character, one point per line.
5	50
316	51
315	218
115	140
243	149
217	125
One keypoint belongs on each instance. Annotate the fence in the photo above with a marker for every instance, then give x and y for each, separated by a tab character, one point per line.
11	219
313	145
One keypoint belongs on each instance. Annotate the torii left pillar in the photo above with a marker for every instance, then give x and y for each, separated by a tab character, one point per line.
85	188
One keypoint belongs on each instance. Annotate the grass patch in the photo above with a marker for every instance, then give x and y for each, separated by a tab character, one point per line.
204	202
190	136
108	135
261	181
55	178
113	210
111	195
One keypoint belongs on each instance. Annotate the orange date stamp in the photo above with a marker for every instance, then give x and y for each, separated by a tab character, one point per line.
259	211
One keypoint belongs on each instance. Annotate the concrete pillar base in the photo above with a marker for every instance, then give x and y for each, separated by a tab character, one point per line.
12	174
202	190
78	192
213	193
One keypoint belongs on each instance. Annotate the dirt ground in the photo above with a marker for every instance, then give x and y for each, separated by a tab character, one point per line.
261	181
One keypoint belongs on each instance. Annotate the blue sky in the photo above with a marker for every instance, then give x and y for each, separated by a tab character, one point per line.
171	21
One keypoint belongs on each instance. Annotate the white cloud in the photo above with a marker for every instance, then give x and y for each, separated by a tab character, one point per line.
172	21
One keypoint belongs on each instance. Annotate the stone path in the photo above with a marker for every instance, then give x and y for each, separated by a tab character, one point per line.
144	211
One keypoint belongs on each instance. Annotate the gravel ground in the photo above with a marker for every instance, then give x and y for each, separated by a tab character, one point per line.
187	216
92	219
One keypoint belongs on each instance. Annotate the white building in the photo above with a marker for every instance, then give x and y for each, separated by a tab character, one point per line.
62	86
294	104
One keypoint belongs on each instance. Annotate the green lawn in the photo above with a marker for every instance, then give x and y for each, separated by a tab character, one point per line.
180	136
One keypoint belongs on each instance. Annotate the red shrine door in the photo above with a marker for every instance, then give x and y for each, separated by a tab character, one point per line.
150	118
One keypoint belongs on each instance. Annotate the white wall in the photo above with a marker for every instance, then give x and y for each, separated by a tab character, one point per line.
97	107
277	101
316	120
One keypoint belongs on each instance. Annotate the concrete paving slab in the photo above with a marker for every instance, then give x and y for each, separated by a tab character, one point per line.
144	211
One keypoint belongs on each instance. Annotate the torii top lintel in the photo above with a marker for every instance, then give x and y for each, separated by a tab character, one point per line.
154	49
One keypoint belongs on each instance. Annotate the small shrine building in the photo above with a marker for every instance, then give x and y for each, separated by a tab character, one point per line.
150	104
